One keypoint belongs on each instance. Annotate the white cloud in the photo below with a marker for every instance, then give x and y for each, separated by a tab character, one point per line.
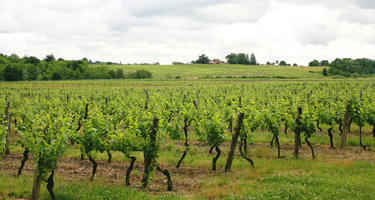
169	30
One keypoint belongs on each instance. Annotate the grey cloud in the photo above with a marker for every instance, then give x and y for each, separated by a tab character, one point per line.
368	4
336	4
207	10
365	17
317	34
144	8
167	30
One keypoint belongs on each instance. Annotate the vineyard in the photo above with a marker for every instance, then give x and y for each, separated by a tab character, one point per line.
190	139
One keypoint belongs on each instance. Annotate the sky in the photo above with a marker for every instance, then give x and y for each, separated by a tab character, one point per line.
164	31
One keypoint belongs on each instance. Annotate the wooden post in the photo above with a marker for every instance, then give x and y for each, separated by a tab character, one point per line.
237	129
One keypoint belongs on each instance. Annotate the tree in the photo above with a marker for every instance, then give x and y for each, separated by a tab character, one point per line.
324	63
140	74
295	65
232	58
325	72
31	72
243	59
112	74
349	67
314	63
240	58
14	58
32	60
120	74
13	73
283	63
56	76
50	58
253	60
203	59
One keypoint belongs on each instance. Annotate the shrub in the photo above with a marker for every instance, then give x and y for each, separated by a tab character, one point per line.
177	63
325	72
120	74
140	74
112	74
178	77
56	76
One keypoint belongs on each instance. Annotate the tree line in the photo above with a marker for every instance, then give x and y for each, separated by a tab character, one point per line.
351	67
245	59
233	58
28	68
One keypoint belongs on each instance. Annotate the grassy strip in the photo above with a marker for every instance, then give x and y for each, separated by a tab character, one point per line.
20	188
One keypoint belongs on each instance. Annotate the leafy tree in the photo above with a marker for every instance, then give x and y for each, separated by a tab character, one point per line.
13	73
325	72
14	58
76	65
32	60
30	72
295	65
56	76
253	60
232	58
49	58
314	63
240	58
243	59
350	67
203	59
2	73
112	74
3	59
283	63
140	74
324	63
120	74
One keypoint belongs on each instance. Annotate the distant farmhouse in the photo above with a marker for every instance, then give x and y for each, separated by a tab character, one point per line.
217	61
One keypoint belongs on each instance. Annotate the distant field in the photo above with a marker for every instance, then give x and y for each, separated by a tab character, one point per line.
211	71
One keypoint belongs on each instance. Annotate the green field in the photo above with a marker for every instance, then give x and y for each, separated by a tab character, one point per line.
163	72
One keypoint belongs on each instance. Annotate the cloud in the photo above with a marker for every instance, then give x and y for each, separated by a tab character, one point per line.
169	30
367	4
